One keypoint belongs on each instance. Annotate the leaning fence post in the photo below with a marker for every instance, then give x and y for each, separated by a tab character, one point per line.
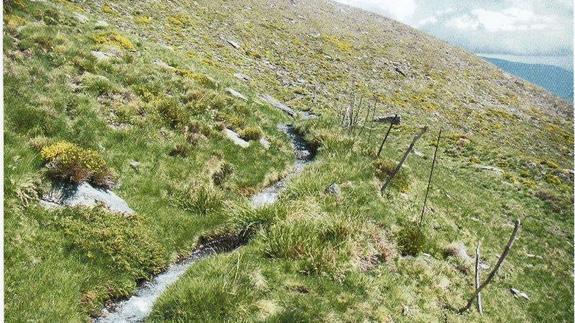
477	278
430	175
385	138
409	149
495	269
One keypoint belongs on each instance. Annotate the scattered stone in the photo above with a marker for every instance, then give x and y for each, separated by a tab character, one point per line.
234	44
278	105
236	138
265	143
162	64
394	119
457	250
101	56
68	195
81	18
307	115
494	169
242	77
418	153
100	24
135	164
236	94
400	71
333	189
517	293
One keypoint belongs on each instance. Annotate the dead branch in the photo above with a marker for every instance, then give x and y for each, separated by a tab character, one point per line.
495	269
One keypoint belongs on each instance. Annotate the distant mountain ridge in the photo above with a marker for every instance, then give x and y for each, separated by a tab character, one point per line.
552	78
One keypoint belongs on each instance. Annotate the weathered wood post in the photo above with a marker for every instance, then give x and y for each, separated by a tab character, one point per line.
385	137
430	175
478	278
409	149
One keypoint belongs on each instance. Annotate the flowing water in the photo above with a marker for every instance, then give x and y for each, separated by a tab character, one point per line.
139	306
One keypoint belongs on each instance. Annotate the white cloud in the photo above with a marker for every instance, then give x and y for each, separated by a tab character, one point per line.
400	10
519	27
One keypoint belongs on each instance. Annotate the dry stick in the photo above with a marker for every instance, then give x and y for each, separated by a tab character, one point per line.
430	175
477	278
384	139
365	119
494	271
372	127
409	149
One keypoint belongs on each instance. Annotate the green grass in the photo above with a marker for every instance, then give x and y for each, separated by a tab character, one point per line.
311	256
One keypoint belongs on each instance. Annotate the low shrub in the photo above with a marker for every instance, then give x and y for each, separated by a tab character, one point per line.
411	240
170	110
114	39
66	161
385	167
251	133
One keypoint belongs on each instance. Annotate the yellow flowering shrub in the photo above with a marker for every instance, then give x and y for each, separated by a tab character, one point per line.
115	39
67	161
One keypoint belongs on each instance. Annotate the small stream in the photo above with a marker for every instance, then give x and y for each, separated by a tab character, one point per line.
139	306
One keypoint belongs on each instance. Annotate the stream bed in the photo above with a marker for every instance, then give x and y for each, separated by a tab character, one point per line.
139	306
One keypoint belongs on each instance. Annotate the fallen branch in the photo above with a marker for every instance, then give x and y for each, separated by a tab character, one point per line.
409	149
495	269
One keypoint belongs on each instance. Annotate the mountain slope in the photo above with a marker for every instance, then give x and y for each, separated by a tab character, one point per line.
554	79
148	82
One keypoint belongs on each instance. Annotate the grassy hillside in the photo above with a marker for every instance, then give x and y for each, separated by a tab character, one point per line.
146	81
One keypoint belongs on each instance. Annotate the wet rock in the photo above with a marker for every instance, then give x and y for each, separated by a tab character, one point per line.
334	190
278	105
236	94
68	195
236	138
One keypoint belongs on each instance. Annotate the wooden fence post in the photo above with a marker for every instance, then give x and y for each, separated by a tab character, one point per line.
409	149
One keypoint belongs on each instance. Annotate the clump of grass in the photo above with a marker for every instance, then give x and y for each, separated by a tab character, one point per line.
385	167
411	240
316	246
171	110
224	171
97	84
66	161
201	199
115	39
251	133
142	20
180	150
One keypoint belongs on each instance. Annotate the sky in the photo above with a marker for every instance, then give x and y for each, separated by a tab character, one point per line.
530	31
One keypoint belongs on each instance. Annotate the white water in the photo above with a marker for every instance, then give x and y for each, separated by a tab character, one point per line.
139	306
